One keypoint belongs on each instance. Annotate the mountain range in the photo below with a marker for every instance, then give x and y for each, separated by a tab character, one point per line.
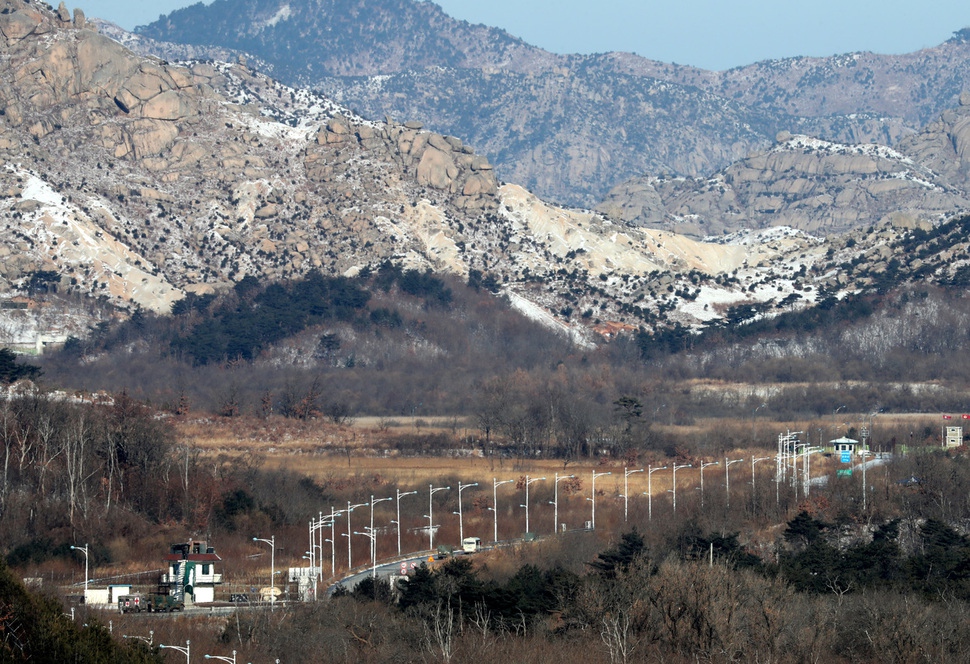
136	180
568	127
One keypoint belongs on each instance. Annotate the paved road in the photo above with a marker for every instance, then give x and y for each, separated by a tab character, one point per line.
384	571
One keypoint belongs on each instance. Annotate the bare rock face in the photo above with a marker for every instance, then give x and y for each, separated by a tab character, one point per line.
636	202
436	168
813	185
442	163
20	22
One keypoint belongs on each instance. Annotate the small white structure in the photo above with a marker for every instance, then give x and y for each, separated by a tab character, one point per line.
102	597
96	597
844	444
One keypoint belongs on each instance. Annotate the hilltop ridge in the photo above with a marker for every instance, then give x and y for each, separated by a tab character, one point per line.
568	127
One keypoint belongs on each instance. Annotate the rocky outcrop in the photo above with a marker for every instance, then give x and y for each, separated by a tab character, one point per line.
142	108
207	174
813	185
442	163
944	145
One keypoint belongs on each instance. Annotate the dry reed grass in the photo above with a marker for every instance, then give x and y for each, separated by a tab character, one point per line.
366	447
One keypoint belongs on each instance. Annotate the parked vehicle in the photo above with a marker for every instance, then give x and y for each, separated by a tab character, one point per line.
149	603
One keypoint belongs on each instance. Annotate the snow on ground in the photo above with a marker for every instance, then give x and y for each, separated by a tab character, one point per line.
282	14
60	232
534	312
710	301
37	190
800	141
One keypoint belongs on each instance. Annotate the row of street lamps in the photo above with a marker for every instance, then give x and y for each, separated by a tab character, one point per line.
328	521
187	650
325	521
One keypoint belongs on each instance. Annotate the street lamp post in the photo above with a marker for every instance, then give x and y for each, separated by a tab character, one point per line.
529	481
592	522
864	454
398	522
807	451
727	477
626	490
147	639
84	550
555	502
754	415
373	542
703	466
231	660
333	539
307	557
650	472
461	522
432	490
373	539
314	526
316	550
349	534
495	485
674	489
272	568
185	651
754	494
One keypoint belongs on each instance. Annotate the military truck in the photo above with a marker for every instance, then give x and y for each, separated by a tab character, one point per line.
138	602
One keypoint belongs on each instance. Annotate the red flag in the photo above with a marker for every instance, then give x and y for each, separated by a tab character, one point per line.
947	417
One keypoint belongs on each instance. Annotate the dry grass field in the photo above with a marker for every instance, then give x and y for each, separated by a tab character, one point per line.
365	447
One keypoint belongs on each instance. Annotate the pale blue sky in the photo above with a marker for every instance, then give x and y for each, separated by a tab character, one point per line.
705	33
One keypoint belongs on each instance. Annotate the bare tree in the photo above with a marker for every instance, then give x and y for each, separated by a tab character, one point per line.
76	459
7	437
440	630
617	634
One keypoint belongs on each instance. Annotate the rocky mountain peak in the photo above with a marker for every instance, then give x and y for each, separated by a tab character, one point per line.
818	186
309	39
568	127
